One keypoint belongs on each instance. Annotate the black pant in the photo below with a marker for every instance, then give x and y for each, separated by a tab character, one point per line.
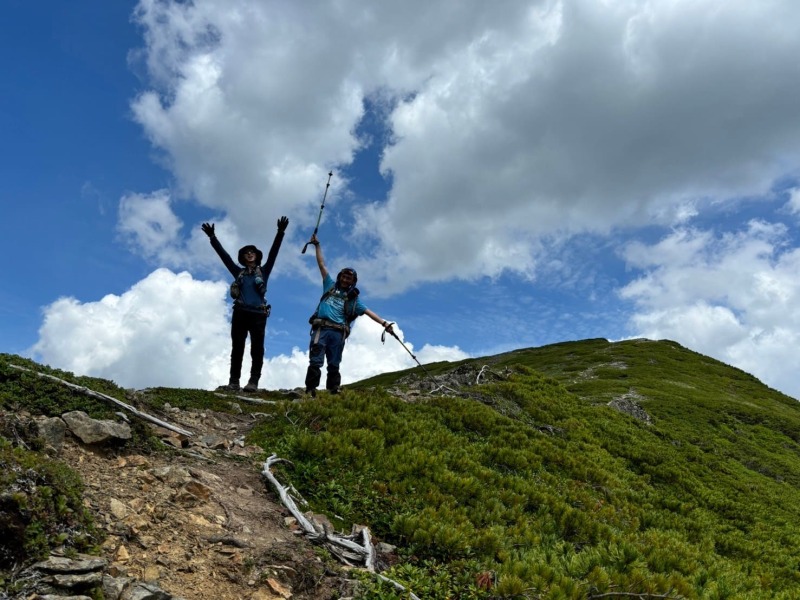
242	323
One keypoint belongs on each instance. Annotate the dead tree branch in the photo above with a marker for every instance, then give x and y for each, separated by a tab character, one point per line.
245	398
101	396
346	548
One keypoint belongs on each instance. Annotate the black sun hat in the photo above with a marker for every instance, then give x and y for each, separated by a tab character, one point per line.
259	254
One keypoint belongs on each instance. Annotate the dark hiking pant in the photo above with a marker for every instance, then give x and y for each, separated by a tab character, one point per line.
243	323
326	344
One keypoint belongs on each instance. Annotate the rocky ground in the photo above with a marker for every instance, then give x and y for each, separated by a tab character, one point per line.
200	523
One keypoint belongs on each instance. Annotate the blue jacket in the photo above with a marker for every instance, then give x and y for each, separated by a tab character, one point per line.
252	297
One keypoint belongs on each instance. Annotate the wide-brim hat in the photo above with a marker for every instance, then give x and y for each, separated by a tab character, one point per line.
243	249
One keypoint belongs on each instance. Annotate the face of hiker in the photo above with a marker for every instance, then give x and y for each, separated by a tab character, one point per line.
249	257
345	279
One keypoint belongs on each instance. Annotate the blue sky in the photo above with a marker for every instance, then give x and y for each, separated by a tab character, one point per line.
503	178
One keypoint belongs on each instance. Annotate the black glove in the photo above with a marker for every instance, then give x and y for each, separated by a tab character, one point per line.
283	222
208	229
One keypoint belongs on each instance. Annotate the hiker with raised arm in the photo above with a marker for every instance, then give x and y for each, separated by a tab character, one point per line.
250	308
331	321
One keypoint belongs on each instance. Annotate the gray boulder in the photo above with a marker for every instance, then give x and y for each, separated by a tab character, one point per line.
93	431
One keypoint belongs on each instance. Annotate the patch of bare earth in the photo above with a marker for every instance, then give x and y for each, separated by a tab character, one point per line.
201	524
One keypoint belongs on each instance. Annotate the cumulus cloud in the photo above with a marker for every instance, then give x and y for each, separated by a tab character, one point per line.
168	328
544	119
734	296
148	224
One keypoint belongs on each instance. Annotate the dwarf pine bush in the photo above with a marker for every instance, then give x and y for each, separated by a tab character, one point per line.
556	493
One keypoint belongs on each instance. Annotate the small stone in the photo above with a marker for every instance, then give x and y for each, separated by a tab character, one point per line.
118	509
278	588
122	555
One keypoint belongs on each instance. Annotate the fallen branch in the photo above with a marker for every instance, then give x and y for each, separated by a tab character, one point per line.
101	396
444	387
287	500
345	548
245	398
397	586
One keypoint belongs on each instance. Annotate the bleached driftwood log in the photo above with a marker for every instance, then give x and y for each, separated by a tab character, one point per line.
101	396
346	548
245	398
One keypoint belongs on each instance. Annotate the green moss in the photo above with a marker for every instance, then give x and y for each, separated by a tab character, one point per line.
40	508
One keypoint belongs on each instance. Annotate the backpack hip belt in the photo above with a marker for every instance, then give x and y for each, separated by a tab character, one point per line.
326	324
317	325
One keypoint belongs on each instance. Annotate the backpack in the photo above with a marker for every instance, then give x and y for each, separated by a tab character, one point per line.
349	309
236	285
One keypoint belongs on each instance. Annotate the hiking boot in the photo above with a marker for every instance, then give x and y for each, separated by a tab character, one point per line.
233	386
252	386
334	391
311	392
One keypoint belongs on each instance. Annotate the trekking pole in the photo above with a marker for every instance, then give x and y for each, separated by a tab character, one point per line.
394	335
321	208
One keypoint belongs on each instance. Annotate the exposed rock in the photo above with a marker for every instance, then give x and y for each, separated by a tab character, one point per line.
75	581
94	431
279	589
146	591
627	403
61	564
114	586
118	509
52	430
170	474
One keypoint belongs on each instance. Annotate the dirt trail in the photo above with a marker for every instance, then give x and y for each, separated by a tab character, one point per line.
201	525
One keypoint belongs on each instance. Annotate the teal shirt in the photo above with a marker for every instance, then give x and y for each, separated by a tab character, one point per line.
332	307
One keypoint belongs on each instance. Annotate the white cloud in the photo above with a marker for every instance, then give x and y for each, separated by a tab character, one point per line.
542	119
794	201
735	297
168	329
148	224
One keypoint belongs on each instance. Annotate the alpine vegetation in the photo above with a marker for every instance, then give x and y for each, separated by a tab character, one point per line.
581	470
636	469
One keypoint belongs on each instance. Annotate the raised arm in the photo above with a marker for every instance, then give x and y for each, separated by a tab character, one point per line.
208	229
323	270
283	223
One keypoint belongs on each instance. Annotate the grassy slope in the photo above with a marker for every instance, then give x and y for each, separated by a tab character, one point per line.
534	487
702	503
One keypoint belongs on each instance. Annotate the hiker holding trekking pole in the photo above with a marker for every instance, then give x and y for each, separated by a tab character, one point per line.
250	308
331	321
